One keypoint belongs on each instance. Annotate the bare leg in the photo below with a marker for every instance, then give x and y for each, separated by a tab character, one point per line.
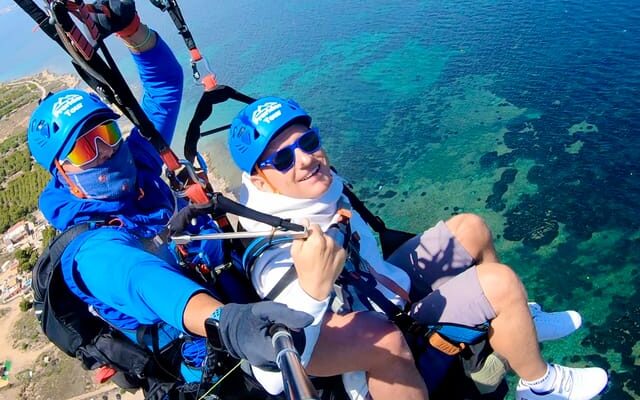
368	342
512	333
475	236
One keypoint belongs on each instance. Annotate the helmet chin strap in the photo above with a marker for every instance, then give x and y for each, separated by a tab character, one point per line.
75	190
267	181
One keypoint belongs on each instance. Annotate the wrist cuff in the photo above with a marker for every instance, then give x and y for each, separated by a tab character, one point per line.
131	28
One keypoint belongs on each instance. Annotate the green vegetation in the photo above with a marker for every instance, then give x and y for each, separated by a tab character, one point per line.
13	141
21	180
26	258
16	161
20	197
47	235
16	96
25	305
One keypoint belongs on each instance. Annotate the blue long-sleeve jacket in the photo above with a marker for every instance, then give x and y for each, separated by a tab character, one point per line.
131	285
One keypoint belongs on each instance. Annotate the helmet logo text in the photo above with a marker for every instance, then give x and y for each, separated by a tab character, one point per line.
67	105
266	112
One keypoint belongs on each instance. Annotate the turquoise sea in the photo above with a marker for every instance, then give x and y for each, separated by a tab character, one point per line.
523	112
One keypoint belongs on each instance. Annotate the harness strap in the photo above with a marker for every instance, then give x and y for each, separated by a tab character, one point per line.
203	111
156	352
374	221
390	284
285	281
352	244
171	7
41	19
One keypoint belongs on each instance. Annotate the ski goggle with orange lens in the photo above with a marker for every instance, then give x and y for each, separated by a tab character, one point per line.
85	150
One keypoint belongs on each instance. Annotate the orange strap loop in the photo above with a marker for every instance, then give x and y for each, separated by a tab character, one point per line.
170	159
439	342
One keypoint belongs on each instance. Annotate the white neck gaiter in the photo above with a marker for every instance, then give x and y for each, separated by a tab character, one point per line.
318	211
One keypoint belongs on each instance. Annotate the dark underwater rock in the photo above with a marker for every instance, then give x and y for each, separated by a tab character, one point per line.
388	194
542	235
532	223
537	174
494	201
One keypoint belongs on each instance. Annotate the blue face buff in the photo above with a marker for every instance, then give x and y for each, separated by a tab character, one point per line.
110	180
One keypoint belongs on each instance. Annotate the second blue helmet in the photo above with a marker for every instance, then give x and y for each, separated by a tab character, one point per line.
257	124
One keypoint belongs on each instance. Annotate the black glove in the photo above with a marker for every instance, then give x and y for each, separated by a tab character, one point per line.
113	15
244	329
181	220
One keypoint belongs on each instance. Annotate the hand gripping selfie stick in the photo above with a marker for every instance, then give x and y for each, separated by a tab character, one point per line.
296	382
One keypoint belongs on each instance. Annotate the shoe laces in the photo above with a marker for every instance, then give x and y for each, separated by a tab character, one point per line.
564	378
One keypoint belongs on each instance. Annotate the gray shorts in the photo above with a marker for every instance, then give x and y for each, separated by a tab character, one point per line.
443	274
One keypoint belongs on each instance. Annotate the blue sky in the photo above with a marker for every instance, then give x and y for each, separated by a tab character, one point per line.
25	50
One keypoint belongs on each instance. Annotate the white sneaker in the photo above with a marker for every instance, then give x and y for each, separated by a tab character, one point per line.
554	325
569	384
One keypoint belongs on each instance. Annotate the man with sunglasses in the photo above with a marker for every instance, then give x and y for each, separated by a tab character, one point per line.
115	182
449	274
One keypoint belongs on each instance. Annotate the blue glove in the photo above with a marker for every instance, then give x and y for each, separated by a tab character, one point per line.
244	329
113	15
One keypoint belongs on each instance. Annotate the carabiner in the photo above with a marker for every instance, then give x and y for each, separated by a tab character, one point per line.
208	80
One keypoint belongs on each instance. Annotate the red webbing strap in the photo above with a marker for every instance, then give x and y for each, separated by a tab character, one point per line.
195	54
170	159
61	11
390	284
209	82
196	194
446	346
208	79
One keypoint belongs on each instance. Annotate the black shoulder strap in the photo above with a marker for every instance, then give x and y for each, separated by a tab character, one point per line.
49	261
203	111
61	242
375	222
285	281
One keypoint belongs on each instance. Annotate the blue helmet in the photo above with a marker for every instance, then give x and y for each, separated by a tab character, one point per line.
257	124
59	120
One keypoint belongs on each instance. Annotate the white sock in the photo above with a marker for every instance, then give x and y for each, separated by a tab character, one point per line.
545	382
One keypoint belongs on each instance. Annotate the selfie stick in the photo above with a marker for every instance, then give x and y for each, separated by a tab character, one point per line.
296	382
